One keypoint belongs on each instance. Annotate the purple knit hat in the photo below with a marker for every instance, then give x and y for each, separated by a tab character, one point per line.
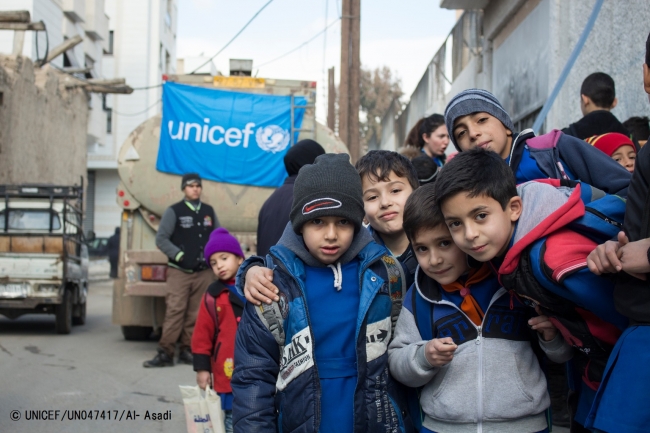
221	241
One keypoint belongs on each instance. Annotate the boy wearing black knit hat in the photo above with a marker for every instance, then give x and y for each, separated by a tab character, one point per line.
476	118
327	371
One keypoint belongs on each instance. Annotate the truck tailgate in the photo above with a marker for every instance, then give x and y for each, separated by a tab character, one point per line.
30	266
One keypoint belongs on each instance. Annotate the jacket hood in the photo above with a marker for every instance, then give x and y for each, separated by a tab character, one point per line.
427	287
547	207
296	244
517	148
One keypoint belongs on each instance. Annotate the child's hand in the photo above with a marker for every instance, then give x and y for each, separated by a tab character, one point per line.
543	325
202	378
440	351
259	286
634	258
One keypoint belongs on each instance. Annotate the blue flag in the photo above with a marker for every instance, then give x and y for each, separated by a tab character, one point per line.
226	136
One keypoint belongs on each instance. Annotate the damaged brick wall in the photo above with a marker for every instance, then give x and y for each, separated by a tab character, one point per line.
43	125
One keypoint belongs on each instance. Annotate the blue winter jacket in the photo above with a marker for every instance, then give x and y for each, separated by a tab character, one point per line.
560	156
281	392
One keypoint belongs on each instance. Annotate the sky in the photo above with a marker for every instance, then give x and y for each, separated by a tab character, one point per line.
402	35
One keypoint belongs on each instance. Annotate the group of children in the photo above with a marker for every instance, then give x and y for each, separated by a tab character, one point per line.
494	256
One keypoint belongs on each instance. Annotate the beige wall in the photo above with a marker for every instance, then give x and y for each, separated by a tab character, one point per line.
42	125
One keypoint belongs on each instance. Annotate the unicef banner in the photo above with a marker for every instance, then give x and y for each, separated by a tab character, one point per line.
226	136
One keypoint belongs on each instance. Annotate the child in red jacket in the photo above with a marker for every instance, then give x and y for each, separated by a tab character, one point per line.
213	341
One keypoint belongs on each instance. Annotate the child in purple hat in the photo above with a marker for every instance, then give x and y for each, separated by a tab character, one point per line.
213	341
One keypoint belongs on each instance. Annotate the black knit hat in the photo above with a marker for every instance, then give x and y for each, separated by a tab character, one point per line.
302	153
329	187
190	178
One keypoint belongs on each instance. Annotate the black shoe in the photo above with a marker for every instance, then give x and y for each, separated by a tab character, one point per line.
185	357
160	360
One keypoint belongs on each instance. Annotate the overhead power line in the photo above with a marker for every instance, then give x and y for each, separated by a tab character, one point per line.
234	37
301	45
139	112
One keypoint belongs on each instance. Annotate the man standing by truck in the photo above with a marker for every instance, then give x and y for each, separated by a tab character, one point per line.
184	230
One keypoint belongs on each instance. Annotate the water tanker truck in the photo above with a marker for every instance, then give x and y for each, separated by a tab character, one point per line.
144	193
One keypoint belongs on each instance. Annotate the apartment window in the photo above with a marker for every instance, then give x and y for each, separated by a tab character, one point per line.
109	50
528	121
109	114
109	121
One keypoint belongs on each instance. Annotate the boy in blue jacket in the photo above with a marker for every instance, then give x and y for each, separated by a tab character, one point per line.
387	179
524	233
327	370
465	341
475	118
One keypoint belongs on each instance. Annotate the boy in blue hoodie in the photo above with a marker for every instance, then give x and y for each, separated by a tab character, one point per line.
475	118
329	371
463	339
524	232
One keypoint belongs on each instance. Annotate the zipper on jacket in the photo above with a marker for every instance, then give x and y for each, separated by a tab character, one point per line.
514	143
603	217
356	331
479	342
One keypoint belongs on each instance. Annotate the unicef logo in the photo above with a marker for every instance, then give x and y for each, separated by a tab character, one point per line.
272	138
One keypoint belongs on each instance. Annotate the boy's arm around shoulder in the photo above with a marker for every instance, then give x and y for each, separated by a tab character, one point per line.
592	166
406	356
259	286
203	336
257	359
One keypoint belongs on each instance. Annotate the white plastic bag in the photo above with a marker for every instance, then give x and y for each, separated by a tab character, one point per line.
203	412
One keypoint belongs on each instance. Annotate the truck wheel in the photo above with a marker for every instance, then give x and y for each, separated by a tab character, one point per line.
136	333
80	317
63	313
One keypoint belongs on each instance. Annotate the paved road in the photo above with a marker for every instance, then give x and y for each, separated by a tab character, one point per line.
93	368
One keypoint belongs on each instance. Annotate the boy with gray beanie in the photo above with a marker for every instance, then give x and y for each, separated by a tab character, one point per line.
476	118
326	369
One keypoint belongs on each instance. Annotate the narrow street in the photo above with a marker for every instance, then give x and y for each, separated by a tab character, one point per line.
93	368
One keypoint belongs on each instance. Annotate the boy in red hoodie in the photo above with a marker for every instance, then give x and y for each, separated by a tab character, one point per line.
213	341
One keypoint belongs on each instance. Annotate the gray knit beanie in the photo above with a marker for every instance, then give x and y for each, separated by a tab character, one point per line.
329	187
474	101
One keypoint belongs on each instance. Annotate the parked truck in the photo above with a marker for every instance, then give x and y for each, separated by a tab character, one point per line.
43	257
144	193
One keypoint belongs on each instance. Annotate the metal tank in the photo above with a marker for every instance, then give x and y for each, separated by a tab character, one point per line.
144	193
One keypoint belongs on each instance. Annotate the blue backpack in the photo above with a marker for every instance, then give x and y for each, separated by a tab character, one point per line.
604	213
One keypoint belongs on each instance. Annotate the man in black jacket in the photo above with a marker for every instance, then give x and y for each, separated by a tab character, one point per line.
183	232
620	404
597	99
274	215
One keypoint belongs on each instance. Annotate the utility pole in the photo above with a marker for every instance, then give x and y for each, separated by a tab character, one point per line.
349	96
331	100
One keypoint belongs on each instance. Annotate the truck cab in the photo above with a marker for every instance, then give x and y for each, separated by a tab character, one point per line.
43	258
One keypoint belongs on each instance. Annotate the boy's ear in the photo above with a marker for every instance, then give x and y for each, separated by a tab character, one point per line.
614	104
514	207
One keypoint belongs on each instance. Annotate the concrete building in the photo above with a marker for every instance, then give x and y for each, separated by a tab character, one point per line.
142	47
65	19
517	49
